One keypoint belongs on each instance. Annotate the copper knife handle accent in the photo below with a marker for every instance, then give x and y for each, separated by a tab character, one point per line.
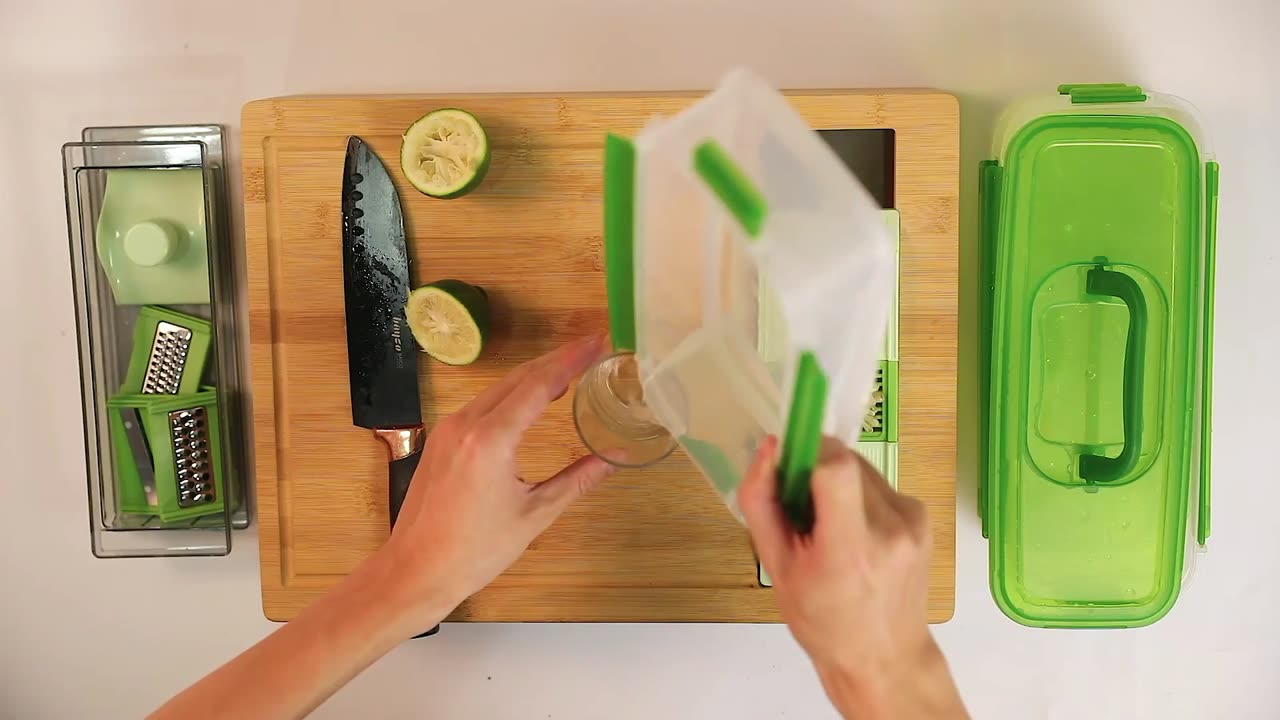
402	442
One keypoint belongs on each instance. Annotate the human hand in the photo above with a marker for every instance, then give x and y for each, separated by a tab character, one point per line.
468	514
854	590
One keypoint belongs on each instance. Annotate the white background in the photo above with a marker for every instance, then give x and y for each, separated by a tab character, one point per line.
97	638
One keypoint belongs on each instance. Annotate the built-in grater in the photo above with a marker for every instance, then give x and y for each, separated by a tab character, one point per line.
165	367
183	461
880	423
169	352
168	358
192	456
874	422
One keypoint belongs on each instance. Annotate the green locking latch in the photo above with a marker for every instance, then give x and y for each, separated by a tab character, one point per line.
1084	93
619	240
801	442
990	182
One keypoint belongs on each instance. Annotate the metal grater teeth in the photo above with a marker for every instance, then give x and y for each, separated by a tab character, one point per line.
190	457
169	348
874	420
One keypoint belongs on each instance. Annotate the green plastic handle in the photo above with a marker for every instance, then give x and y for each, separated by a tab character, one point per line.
802	441
1100	468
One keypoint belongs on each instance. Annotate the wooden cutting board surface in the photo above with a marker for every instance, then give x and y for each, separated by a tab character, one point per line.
650	545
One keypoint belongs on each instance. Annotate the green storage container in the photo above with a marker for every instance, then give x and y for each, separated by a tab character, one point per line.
1098	225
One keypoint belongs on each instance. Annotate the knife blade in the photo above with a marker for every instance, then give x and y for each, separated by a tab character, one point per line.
382	360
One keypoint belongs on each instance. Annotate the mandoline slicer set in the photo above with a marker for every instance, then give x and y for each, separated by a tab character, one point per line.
155	299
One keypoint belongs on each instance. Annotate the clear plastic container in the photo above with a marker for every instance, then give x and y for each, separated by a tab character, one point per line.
154	287
754	247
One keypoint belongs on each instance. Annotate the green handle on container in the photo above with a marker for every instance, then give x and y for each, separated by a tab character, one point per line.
1100	468
802	441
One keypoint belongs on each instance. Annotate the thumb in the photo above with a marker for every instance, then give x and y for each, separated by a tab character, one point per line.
571	483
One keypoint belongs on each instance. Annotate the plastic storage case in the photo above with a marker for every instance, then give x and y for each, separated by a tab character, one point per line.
763	279
1099	225
146	205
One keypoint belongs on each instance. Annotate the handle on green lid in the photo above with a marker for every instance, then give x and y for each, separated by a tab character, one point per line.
801	442
619	240
1096	93
1100	468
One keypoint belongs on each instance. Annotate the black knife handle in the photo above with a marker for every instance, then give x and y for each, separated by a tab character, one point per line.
401	475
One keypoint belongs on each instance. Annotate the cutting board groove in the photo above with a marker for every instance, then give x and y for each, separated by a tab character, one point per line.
651	545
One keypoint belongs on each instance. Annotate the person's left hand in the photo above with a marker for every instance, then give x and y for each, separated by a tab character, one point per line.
468	514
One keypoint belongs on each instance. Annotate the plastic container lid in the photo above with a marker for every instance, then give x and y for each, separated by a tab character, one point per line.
1095	220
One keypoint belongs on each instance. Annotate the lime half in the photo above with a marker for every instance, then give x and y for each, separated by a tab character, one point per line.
445	153
450	320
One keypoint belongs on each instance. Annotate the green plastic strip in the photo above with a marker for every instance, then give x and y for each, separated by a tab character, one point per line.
1066	88
891	401
1206	388
740	196
619	239
991	177
1085	93
802	440
1100	468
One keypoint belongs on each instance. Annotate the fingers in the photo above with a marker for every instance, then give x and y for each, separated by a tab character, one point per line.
758	499
839	502
573	482
545	380
851	498
493	395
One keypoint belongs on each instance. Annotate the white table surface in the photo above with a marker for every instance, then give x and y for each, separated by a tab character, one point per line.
96	638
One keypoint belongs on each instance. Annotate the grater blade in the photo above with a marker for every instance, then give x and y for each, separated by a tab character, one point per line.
192	456
168	359
875	418
141	450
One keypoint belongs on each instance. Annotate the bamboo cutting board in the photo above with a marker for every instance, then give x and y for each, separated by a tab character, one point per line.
650	545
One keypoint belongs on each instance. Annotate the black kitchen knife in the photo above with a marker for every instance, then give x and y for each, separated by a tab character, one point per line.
381	356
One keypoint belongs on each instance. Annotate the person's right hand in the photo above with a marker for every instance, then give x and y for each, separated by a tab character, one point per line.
854	590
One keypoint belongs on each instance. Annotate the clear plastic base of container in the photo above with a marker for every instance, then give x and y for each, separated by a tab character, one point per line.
147	228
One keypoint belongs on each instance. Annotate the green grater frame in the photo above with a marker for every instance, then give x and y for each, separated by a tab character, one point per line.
130	496
155	410
149	318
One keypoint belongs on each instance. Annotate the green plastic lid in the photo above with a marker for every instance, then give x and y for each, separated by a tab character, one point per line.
1093	227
